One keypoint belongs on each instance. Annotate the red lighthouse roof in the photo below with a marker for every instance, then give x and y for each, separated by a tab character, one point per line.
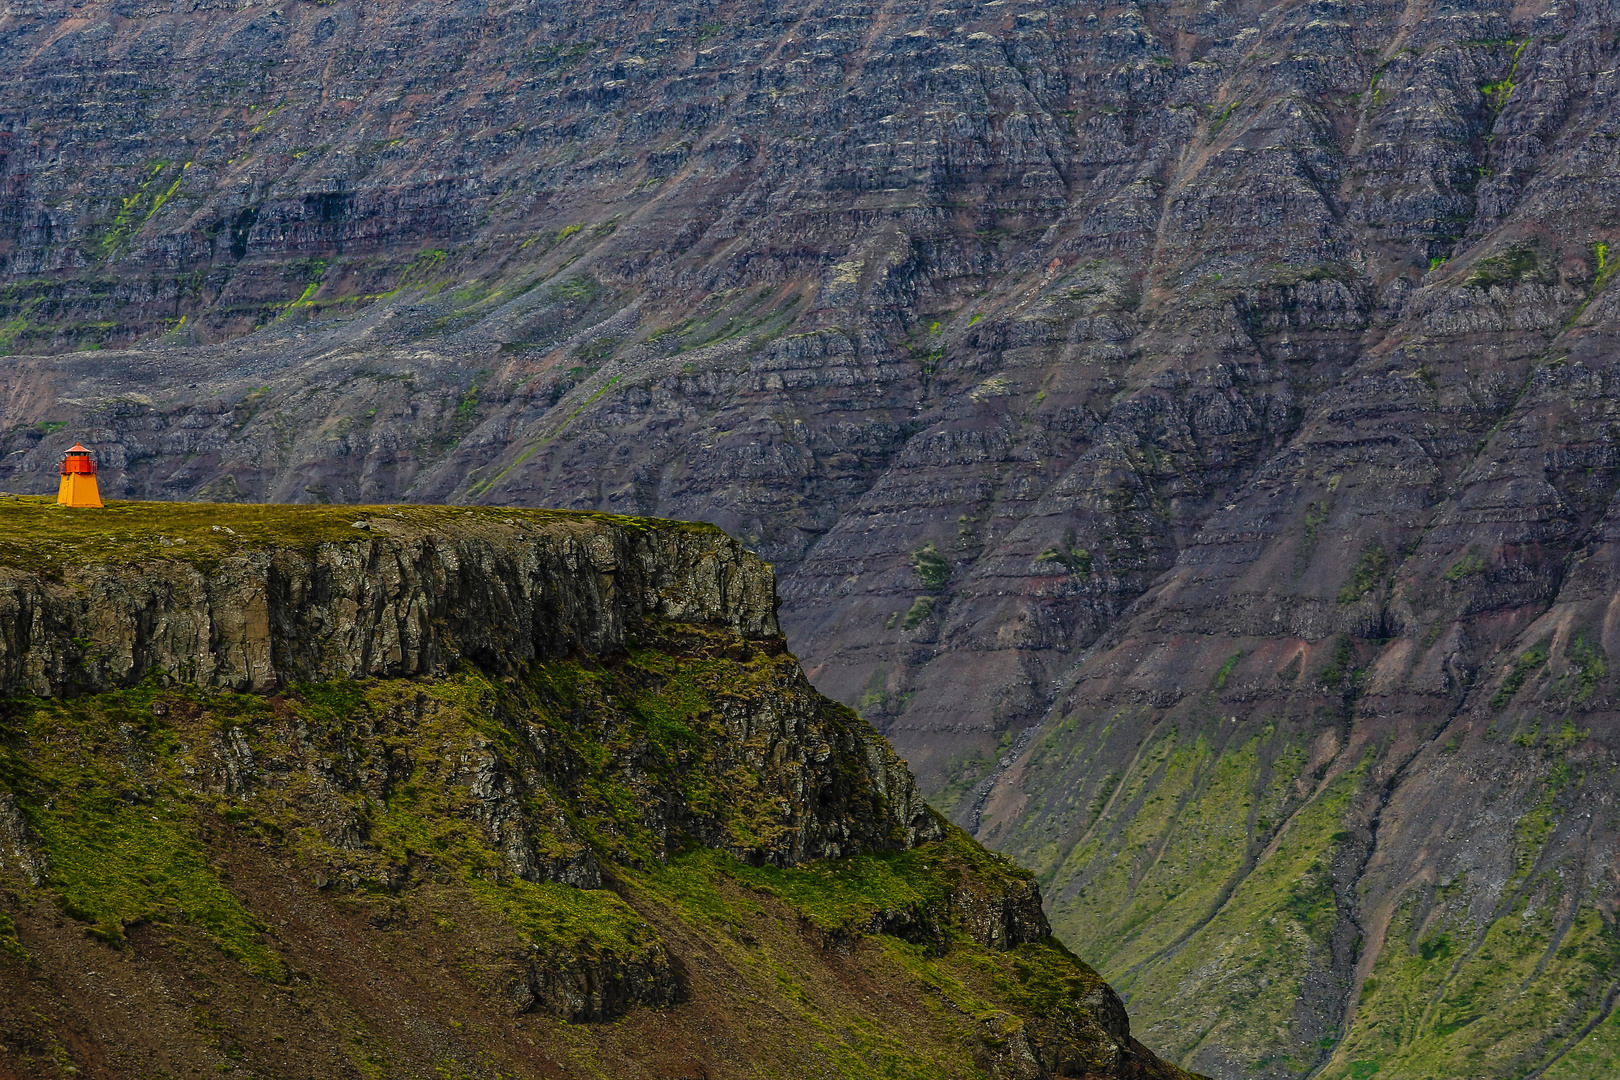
78	448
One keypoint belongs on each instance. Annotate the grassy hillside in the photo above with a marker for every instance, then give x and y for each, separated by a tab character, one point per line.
584	867
1214	881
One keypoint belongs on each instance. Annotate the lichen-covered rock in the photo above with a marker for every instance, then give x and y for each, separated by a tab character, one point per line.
593	988
19	848
1001	918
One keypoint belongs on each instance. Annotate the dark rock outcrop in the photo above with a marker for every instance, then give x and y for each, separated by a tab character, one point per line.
399	598
595	988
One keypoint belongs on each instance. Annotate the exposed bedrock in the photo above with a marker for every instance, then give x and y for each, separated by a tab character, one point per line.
400	599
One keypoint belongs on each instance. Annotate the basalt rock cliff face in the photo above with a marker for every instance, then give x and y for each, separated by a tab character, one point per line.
441	795
395	598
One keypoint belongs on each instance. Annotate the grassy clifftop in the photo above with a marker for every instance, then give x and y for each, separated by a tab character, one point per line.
39	536
247	597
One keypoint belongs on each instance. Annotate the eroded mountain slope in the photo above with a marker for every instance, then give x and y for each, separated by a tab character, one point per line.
1141	367
968	316
1340	789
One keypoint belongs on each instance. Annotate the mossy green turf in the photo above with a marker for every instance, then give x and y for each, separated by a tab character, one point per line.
38	535
1189	823
123	843
125	795
844	894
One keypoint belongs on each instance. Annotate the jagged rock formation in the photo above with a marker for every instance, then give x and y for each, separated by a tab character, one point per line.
590	784
1137	368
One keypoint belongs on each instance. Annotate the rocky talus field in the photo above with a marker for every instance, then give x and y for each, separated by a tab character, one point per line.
1188	431
405	792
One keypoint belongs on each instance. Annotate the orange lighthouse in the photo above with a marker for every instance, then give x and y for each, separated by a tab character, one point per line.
78	479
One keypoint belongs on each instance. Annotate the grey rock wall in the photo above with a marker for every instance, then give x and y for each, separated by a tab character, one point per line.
398	600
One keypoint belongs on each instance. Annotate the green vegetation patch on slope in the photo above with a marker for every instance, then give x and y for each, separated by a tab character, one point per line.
1368	572
1201	881
1516	264
850	894
1004	991
839	895
975	995
1596	1053
394	808
1258	952
1210	879
1523	667
1192	817
595	922
930	566
99	781
1463	988
1438	976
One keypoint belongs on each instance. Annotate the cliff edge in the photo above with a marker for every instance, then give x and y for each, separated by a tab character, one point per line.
420	791
247	599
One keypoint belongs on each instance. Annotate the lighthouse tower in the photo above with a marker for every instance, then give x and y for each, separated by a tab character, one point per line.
78	479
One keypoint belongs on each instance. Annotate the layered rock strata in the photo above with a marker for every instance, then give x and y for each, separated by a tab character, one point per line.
1365	725
1034	289
386	593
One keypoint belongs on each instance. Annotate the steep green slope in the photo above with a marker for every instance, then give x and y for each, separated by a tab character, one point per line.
669	858
1281	896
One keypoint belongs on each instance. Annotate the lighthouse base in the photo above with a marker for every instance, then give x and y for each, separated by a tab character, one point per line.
78	489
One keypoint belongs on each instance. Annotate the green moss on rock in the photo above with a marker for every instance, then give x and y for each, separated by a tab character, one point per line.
100	782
